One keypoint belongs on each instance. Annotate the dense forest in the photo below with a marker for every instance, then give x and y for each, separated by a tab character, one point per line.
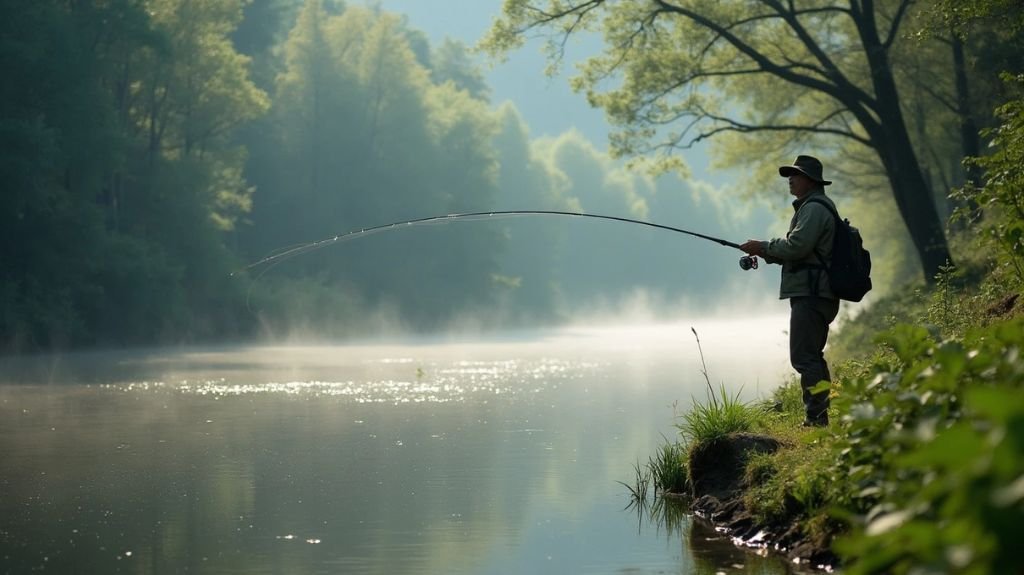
153	148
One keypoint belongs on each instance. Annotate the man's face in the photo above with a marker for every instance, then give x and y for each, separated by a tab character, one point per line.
800	185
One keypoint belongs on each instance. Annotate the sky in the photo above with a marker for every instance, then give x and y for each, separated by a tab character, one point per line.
547	104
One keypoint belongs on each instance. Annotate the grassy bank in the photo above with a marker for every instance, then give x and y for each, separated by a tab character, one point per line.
922	468
923	465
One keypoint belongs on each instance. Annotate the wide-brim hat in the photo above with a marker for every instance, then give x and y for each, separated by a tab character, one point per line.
806	165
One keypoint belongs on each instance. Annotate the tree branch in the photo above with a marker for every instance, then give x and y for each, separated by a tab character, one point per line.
816	128
849	95
804	66
953	107
831	70
628	44
698	74
579	12
894	29
698	114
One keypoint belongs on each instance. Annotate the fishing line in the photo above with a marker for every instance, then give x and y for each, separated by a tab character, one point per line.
286	253
300	249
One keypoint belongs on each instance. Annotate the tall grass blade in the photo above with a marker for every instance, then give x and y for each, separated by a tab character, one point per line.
704	368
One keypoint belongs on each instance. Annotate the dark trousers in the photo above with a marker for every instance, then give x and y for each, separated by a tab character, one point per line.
809	319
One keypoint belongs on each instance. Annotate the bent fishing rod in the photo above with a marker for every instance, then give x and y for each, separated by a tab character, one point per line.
746	262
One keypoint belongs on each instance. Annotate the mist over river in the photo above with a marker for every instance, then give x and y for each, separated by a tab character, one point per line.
496	455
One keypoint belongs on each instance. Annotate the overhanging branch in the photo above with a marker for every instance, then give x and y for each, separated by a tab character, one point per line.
849	95
894	28
831	70
580	11
818	127
577	12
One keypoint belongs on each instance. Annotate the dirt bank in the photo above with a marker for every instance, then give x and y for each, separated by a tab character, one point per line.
718	485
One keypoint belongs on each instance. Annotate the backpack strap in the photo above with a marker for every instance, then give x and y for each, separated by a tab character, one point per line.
828	206
838	221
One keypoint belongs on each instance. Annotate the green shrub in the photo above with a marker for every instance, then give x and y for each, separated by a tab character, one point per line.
932	456
1002	196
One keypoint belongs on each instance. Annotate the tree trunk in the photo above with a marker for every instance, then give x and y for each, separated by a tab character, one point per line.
892	142
914	201
969	138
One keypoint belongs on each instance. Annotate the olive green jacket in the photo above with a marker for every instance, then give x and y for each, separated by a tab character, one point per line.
812	228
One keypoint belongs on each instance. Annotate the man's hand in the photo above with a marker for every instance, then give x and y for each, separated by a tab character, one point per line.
753	247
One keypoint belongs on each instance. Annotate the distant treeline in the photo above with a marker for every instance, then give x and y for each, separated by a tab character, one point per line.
152	147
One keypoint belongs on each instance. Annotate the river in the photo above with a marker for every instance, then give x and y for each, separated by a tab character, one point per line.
446	455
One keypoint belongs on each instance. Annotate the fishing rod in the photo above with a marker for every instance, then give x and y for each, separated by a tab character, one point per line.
746	262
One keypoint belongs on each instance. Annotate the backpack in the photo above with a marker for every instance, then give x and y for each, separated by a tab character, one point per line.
850	272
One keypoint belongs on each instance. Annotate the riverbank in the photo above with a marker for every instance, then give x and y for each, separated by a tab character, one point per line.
720	485
923	463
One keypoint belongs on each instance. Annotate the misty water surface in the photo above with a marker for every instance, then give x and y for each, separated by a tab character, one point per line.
498	456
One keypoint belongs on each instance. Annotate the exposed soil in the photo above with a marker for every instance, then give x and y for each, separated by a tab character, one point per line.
718	484
1004	308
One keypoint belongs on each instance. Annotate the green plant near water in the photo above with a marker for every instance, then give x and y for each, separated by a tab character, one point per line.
710	421
716	418
640	486
667	467
949	308
666	470
931	448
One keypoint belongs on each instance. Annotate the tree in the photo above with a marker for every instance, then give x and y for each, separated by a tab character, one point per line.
364	135
122	170
531	265
1002	196
181	184
691	70
984	40
451	62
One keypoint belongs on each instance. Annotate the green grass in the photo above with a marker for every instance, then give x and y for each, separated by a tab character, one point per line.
790	483
922	468
665	472
667	468
641	484
707	422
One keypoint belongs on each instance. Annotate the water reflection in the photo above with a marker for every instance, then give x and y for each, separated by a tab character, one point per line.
709	552
467	457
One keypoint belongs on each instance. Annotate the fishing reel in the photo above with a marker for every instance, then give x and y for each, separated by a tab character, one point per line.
748	263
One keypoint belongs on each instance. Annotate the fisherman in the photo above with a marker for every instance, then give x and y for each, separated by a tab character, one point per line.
803	253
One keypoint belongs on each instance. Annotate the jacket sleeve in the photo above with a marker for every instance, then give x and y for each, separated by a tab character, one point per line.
800	242
767	258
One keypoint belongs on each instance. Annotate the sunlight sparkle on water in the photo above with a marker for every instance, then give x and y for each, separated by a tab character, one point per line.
460	455
438	383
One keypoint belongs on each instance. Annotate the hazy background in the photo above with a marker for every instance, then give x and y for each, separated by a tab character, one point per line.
155	148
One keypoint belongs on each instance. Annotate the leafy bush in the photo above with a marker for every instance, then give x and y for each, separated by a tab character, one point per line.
854	337
932	456
1002	196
